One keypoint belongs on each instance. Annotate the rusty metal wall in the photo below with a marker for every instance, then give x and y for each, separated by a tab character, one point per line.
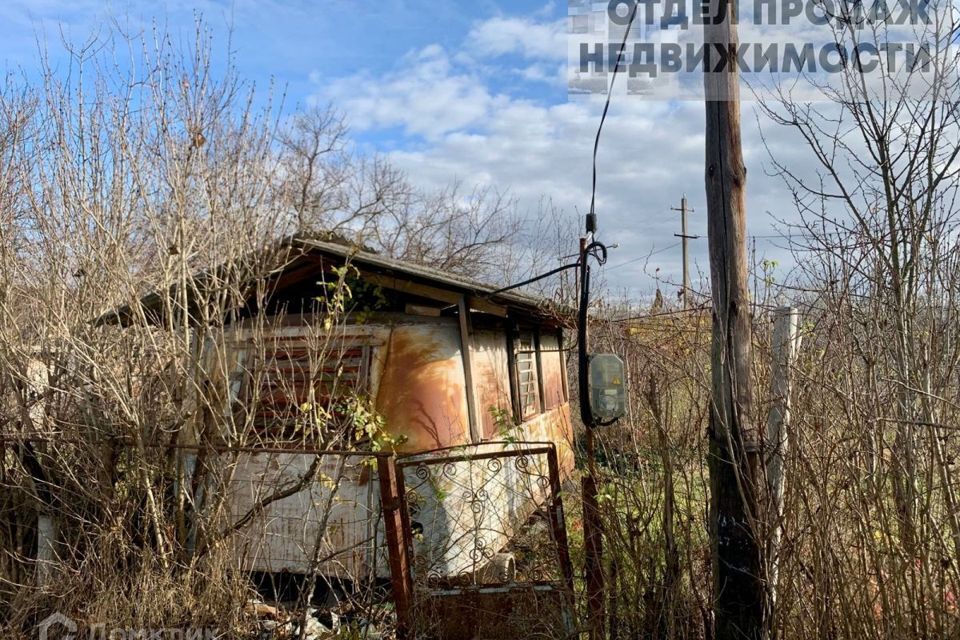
417	380
491	379
330	526
418	384
554	387
421	391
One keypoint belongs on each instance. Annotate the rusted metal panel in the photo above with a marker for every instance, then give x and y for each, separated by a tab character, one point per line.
421	392
418	383
286	535
554	387
491	379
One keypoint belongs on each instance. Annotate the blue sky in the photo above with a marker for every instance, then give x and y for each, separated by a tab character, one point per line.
469	91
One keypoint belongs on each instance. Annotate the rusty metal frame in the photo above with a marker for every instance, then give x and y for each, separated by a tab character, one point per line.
557	520
396	515
396	521
459	454
401	568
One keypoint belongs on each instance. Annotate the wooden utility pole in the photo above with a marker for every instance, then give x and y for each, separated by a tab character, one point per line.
592	524
685	292
734	452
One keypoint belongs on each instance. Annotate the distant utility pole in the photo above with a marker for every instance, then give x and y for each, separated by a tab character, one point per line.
685	292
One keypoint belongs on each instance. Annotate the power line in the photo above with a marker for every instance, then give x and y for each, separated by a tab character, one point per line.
592	216
537	278
661	314
645	257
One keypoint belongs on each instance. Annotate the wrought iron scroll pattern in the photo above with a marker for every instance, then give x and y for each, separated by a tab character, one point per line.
465	508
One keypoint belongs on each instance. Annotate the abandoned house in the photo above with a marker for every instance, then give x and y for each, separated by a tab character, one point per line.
447	364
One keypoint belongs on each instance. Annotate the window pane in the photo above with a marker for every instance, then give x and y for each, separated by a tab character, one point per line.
528	388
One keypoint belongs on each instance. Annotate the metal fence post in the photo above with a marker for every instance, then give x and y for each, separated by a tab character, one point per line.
557	522
397	533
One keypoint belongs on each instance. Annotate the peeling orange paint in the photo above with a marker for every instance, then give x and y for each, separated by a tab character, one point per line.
422	393
491	378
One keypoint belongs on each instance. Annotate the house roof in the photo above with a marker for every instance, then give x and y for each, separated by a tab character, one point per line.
301	253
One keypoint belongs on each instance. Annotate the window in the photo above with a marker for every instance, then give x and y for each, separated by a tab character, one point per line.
526	362
296	391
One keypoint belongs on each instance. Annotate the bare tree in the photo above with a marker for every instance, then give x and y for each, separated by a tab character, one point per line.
142	211
878	263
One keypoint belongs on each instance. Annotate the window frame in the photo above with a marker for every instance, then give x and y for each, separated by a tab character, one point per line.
525	410
257	356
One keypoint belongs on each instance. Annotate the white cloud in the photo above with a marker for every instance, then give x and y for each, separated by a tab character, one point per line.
458	128
550	73
425	96
527	37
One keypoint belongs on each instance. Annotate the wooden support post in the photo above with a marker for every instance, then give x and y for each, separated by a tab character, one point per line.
397	529
513	376
593	551
592	524
734	455
46	549
463	311
784	347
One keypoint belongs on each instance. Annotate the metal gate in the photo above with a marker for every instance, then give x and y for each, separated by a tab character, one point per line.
485	542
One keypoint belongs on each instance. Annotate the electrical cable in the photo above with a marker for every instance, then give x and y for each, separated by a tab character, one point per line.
644	257
596	249
592	216
599	252
533	279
